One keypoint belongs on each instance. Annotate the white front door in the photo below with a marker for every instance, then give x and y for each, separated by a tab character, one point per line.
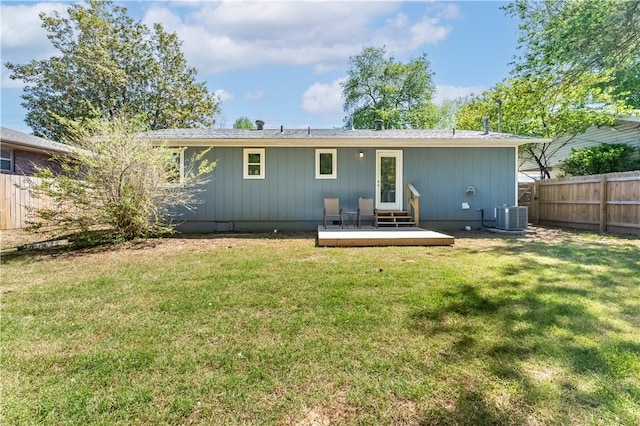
389	180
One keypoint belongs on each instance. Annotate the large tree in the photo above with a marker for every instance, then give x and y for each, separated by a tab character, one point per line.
110	65
567	39
379	87
243	123
534	107
579	65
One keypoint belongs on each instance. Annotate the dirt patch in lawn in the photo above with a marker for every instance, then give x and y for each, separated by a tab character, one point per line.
14	238
477	239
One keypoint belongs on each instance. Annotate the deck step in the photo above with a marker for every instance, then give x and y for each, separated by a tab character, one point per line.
394	219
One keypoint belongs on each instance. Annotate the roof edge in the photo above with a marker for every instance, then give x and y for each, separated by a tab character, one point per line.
348	143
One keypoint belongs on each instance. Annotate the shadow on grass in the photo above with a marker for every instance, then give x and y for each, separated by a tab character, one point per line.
470	407
286	235
73	245
563	310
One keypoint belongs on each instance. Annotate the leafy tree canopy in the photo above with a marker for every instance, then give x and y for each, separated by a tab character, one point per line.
378	87
108	66
604	158
528	107
534	107
243	123
566	39
579	66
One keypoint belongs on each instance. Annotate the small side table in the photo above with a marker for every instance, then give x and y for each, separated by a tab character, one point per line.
351	217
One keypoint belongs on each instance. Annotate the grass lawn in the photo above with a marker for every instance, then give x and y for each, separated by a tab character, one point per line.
543	329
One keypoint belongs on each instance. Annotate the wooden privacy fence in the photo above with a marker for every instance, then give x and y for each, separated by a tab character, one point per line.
605	203
15	201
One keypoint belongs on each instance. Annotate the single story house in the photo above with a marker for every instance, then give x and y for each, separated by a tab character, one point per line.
625	130
270	179
21	153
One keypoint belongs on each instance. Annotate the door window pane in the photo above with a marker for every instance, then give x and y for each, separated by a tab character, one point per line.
388	179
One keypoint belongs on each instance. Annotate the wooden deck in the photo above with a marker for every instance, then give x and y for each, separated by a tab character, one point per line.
369	237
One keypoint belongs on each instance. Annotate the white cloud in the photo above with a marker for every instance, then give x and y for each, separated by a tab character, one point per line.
162	15
446	92
324	100
428	31
224	36
324	68
22	37
224	95
254	96
399	33
7	83
448	11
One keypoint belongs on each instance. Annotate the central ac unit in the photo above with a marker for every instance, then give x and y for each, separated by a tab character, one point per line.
511	218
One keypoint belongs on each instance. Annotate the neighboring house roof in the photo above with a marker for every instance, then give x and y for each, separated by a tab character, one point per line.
336	137
625	130
21	140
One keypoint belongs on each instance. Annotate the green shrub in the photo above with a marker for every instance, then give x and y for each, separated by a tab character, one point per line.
604	158
119	180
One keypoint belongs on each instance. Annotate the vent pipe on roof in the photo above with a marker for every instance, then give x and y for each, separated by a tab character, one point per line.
499	101
379	124
281	129
260	124
485	124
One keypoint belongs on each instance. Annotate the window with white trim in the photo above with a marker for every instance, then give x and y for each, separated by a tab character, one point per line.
6	160
326	164
253	163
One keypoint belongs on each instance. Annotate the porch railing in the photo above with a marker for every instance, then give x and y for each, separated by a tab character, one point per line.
413	203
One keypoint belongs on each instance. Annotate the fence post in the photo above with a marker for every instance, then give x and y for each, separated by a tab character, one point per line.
603	203
535	202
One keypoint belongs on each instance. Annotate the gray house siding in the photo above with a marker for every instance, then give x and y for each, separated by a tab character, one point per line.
291	198
442	176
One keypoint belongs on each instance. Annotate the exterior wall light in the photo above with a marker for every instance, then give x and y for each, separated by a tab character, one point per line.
361	155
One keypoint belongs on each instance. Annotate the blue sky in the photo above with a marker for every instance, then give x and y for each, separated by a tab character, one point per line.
282	62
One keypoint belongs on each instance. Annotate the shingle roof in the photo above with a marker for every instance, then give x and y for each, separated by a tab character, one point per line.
327	134
338	137
25	140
